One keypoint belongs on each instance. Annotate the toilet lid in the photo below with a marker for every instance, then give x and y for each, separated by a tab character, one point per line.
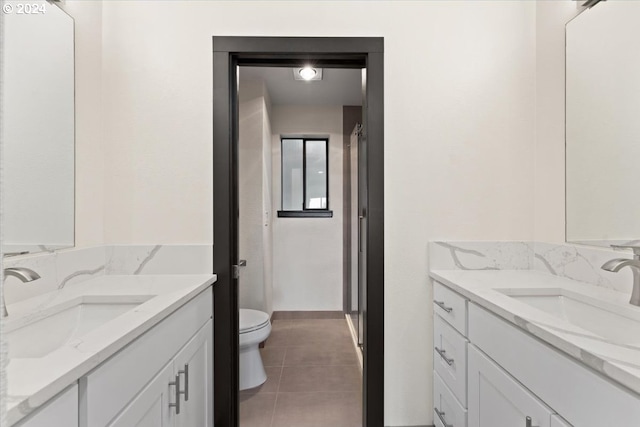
251	320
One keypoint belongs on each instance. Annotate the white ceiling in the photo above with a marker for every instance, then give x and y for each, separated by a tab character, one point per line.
337	87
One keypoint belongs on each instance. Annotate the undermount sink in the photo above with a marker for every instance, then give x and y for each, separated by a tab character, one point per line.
608	320
39	334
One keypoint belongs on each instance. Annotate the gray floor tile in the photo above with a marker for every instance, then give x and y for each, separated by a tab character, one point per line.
325	334
271	385
273	356
320	378
314	356
341	409
313	376
257	410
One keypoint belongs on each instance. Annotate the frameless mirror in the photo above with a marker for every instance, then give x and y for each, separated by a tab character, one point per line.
38	127
603	126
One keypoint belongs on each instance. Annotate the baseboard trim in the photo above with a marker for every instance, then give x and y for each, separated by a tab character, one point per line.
430	425
302	315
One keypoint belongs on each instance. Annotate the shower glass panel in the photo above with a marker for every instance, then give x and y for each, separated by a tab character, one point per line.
355	236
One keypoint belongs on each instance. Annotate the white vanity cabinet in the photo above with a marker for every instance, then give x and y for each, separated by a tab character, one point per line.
470	389
63	409
183	380
163	379
150	408
449	358
194	364
514	379
498	400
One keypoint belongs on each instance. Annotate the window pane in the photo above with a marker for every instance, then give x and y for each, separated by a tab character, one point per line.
292	193
316	152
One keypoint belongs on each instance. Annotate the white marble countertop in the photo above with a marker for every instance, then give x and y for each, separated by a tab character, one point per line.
613	358
33	381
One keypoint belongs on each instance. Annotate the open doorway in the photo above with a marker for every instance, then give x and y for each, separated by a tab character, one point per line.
230	53
298	198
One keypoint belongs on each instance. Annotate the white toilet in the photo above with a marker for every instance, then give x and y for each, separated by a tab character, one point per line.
255	327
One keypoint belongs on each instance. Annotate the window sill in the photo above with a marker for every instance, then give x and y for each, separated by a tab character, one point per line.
305	214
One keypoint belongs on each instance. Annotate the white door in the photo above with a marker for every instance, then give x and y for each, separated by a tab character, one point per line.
194	365
151	407
497	400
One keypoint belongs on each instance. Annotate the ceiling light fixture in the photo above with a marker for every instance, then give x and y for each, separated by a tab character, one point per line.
307	73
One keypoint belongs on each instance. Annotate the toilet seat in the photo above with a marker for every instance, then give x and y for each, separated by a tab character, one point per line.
252	320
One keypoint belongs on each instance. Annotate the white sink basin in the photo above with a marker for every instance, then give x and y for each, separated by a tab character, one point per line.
614	322
37	335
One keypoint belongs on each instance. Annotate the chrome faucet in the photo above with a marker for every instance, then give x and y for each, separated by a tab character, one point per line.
24	274
617	264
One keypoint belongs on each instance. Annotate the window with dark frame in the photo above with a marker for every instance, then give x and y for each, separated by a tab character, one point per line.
305	177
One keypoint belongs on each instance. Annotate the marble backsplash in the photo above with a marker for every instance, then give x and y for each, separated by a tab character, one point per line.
159	259
576	262
583	263
480	255
60	268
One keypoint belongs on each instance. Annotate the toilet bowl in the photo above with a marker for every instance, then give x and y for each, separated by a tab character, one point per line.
255	327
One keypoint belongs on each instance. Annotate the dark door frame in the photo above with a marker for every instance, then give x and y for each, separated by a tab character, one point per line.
349	52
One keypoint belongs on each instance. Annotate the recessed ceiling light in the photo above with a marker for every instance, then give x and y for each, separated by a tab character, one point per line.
307	73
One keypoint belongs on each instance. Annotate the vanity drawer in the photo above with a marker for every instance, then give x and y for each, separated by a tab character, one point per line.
451	306
450	357
447	411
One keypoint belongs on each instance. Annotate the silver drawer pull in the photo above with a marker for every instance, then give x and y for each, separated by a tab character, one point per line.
176	405
445	358
528	422
186	381
441	416
442	306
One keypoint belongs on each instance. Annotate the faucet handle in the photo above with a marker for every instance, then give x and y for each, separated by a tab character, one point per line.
634	245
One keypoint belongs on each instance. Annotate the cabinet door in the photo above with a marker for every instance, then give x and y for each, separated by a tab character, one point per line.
194	364
151	407
496	400
63	409
557	421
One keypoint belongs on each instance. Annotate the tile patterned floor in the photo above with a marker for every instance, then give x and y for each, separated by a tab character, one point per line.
313	378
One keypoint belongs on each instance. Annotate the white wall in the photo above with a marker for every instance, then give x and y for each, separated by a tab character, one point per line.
267	205
255	243
307	255
459	136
